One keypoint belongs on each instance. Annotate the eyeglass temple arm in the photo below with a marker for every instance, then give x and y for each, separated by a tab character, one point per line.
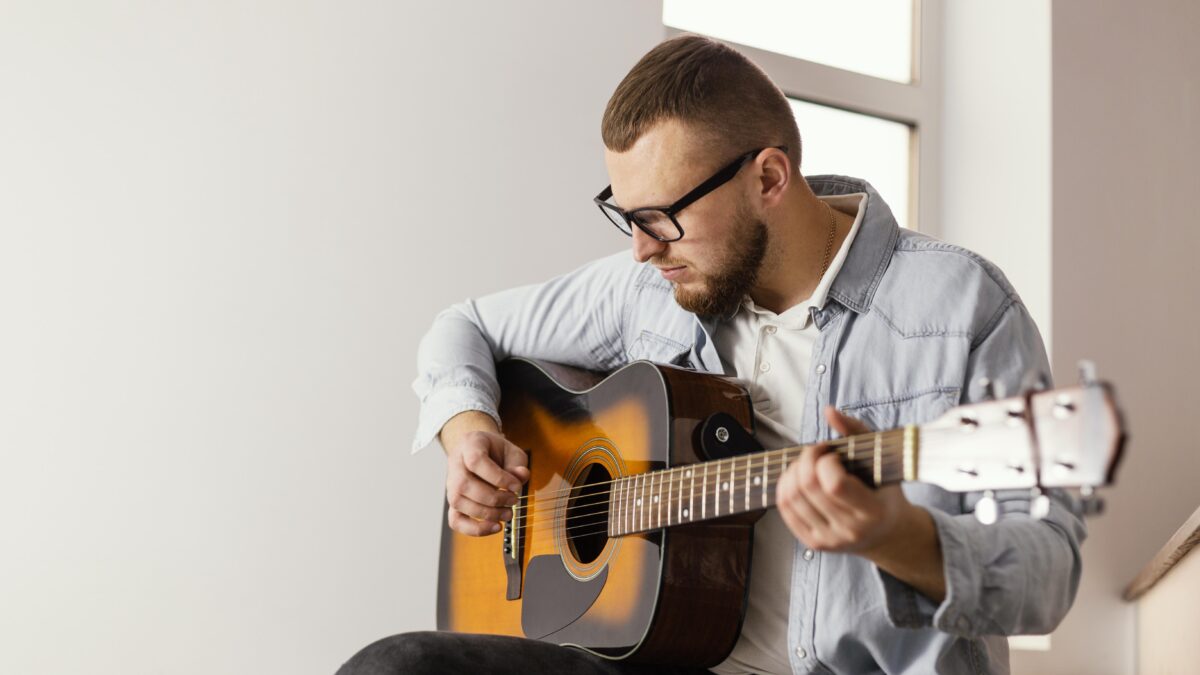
722	176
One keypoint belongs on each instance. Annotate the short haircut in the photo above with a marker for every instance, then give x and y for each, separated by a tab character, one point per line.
708	85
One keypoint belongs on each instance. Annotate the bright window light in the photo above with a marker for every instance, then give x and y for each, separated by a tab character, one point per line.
851	144
873	37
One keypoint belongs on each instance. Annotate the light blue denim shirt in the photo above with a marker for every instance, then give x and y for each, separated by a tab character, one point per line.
910	326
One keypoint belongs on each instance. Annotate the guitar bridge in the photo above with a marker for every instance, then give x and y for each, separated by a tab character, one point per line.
513	538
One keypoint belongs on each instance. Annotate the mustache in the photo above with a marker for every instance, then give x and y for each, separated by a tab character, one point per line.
659	262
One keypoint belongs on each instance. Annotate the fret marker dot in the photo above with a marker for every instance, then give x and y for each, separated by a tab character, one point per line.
757	480
725	485
639	501
655	499
687	474
685	513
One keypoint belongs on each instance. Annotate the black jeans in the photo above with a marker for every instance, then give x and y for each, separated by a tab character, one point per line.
446	653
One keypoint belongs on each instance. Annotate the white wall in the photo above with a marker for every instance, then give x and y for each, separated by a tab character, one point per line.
1126	144
223	228
996	140
1075	124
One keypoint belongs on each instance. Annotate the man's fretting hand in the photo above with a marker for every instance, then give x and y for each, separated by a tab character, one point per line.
484	473
831	510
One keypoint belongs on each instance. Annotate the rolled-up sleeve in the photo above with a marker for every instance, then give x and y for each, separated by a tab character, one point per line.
575	319
1019	575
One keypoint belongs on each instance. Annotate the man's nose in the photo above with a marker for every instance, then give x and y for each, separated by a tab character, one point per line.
645	247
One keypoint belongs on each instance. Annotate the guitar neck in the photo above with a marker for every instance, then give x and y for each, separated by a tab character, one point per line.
742	483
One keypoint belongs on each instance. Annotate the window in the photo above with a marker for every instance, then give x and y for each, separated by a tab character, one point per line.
832	33
862	79
848	143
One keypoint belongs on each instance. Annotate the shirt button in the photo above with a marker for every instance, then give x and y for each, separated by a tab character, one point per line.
808	554
764	367
801	653
821	369
771	330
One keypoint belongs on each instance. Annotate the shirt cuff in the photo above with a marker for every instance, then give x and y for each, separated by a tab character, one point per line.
908	608
446	402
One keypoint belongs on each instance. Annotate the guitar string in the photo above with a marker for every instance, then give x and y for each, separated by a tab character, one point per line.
673	496
739	470
677	475
892	442
736	480
678	483
598	520
889	457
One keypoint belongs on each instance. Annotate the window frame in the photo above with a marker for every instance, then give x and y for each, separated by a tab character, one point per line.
917	103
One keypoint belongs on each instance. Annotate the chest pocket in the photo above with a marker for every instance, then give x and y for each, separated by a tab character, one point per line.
651	346
915	408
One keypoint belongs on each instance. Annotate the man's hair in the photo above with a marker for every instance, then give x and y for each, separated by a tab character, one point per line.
725	97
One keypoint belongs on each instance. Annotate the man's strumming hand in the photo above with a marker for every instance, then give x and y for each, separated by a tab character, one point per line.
483	475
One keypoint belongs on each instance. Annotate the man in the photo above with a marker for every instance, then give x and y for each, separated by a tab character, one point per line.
835	319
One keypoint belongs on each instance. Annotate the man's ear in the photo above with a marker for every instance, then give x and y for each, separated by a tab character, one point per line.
775	175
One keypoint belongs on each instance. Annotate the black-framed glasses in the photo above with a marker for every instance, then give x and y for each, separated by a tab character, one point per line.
659	221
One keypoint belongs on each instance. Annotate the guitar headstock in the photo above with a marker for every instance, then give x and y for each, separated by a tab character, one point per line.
1062	438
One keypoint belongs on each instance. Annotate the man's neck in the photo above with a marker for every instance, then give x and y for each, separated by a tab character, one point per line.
796	254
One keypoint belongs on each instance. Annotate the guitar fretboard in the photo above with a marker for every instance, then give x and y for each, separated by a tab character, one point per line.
742	483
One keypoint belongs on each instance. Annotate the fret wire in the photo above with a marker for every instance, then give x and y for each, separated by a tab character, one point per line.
633	510
654	511
746	496
878	458
615	509
716	490
641	503
704	494
731	482
670	498
667	476
764	482
691	495
628	498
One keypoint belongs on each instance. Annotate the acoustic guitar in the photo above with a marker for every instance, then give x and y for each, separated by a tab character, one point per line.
632	538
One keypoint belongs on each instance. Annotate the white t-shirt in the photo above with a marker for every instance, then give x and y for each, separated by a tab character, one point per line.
771	354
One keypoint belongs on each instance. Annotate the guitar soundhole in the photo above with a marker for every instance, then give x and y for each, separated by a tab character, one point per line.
587	514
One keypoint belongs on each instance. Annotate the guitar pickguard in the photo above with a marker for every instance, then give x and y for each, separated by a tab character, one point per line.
553	598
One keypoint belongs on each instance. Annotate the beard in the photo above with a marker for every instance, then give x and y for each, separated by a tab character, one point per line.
722	291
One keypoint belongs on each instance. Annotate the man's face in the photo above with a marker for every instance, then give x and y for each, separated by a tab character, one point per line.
719	258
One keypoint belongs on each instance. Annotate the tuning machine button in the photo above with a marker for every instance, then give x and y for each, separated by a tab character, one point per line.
1039	504
992	389
986	508
1093	504
1035	380
1087	373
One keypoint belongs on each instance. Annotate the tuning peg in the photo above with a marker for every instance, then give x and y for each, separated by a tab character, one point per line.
985	508
1087	372
1039	504
1093	504
992	389
1035	380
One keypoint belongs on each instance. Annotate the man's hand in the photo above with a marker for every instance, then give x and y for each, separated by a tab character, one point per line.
484	474
831	510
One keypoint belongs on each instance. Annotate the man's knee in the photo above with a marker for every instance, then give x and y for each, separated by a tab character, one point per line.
419	652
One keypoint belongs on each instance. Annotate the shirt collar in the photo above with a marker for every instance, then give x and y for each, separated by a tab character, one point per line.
867	259
871	251
800	314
